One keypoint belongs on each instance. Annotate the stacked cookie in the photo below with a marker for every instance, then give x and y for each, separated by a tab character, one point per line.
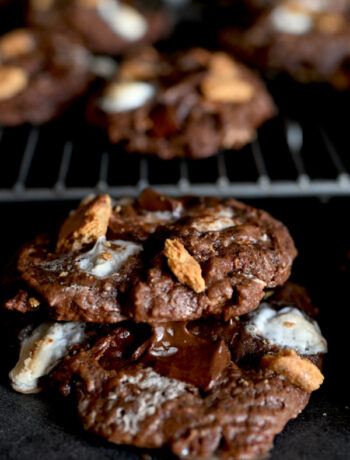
306	39
169	323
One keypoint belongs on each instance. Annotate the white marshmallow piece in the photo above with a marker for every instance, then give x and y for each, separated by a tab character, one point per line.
154	217
103	66
107	258
287	328
290	21
41	351
123	19
210	224
220	219
126	96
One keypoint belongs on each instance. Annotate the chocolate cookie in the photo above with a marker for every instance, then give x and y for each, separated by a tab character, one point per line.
39	76
103	26
307	40
331	6
218	259
185	391
188	104
152	259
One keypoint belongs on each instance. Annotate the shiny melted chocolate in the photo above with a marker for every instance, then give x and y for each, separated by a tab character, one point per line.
176	353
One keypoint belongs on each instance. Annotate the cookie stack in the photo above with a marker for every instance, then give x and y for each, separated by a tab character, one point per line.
169	322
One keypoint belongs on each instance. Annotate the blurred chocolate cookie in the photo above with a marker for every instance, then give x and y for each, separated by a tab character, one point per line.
39	76
308	40
103	26
188	104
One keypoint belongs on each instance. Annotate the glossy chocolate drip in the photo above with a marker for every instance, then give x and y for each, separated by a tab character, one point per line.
176	353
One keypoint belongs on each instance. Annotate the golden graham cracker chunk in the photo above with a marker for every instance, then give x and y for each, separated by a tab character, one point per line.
88	223
186	269
144	65
223	83
222	65
330	23
16	43
299	371
12	81
226	90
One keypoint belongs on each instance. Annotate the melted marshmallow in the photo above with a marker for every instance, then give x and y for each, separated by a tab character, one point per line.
287	328
41	351
103	66
153	217
125	96
123	19
218	220
151	391
290	21
107	258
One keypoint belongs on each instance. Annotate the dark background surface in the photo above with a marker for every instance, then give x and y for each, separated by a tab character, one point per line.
45	426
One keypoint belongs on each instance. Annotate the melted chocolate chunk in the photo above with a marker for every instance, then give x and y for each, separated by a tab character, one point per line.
178	354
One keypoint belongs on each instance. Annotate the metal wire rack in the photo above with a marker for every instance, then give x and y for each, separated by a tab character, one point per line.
287	159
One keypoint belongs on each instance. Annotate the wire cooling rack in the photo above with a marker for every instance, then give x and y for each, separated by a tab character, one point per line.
287	159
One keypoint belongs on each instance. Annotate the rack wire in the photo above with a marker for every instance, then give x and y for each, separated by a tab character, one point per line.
283	161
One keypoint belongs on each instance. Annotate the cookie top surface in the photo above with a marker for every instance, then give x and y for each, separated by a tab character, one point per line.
103	26
339	6
39	76
188	104
185	389
307	40
154	259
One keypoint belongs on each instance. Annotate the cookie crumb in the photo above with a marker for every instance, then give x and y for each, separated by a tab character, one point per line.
33	302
